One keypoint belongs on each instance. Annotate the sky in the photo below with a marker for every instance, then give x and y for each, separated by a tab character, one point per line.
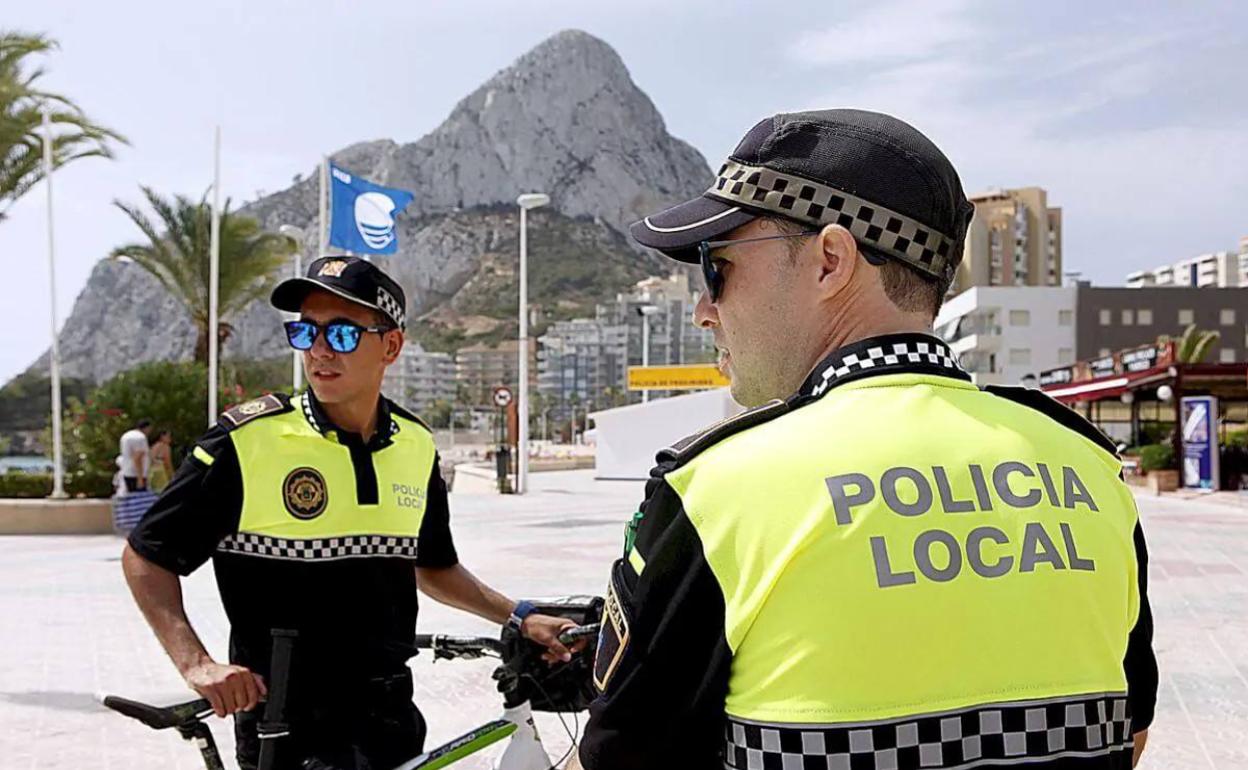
1134	116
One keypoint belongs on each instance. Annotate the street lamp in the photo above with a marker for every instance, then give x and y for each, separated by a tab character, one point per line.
296	234
645	311
525	202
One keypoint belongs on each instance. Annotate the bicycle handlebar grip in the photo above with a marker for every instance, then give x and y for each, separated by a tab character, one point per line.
580	632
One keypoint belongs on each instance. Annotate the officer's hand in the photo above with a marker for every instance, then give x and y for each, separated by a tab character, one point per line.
545	630
228	688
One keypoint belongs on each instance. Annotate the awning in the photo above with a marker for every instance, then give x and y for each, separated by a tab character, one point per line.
1109	387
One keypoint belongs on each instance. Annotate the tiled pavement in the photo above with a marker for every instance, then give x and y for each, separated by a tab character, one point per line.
68	629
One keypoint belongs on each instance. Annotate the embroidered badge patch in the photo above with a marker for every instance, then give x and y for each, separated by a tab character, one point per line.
305	493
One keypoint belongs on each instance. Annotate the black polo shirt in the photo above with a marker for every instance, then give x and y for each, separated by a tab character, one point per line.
356	617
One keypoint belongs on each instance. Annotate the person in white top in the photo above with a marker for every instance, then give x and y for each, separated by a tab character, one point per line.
134	455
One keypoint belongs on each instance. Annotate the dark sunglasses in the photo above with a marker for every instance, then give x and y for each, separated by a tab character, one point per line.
713	269
342	336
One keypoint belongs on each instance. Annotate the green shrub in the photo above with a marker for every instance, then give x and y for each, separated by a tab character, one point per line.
171	395
21	484
1157	457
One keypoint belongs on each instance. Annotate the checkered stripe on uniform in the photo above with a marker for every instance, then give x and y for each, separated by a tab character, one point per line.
818	204
305	402
319	549
1083	726
931	352
391	307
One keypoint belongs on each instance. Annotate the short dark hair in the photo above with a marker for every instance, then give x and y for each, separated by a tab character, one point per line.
144	423
908	289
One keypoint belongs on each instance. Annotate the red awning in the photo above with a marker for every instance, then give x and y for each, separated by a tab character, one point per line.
1108	387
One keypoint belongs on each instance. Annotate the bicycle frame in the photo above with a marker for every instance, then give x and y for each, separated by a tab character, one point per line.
524	752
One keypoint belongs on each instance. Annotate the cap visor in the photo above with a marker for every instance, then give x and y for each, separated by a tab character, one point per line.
677	231
290	293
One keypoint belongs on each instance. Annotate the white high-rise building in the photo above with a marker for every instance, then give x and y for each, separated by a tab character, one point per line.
1221	269
1004	333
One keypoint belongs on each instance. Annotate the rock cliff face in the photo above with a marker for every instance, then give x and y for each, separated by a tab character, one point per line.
565	119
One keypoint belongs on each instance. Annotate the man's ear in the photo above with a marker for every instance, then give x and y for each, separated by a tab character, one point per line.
838	253
393	341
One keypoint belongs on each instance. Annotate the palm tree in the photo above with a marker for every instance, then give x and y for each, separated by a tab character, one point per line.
1194	345
177	255
21	114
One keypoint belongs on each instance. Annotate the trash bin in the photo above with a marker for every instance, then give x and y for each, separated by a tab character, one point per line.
502	464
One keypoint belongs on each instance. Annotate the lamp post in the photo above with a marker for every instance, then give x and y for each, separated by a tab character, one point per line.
645	311
54	358
296	234
525	202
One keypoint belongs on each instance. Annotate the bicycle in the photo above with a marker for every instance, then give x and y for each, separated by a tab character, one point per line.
526	683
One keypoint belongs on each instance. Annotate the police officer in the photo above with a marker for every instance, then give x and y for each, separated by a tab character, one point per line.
879	565
322	514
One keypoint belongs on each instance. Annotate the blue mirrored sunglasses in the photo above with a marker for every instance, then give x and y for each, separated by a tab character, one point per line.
342	336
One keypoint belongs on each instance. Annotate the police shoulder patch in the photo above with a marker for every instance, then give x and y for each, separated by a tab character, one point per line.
689	447
1059	412
261	407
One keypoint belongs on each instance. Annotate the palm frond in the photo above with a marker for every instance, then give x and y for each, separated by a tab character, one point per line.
178	254
74	135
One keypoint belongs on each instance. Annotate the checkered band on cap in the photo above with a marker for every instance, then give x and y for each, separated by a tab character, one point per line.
1024	733
925	353
819	204
319	549
391	307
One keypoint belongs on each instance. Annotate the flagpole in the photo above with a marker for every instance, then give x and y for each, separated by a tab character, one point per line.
323	215
58	459
214	267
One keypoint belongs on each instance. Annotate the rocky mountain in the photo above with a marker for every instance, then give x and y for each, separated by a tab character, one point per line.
565	119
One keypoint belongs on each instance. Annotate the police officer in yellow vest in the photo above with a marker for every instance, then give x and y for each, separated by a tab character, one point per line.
879	565
322	514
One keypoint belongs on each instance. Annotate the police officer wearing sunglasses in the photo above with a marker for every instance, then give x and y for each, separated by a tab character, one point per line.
878	565
321	513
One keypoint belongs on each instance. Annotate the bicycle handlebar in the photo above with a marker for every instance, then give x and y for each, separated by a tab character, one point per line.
471	647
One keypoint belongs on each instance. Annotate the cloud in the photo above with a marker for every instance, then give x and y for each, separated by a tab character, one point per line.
887	32
1135	126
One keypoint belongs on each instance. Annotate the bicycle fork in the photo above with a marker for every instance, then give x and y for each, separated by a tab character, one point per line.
525	751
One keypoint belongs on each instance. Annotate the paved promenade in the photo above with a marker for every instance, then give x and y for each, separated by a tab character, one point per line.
69	629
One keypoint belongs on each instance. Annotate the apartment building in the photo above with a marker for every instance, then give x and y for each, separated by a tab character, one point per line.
1003	333
1015	239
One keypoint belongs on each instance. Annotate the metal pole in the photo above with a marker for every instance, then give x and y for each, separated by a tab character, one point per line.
522	460
297	356
214	267
645	350
54	365
322	221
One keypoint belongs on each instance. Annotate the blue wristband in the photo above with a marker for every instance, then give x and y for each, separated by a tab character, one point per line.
524	608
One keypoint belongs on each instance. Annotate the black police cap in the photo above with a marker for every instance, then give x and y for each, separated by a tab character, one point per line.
351	278
877	176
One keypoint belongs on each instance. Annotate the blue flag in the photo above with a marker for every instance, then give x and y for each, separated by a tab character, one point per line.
362	213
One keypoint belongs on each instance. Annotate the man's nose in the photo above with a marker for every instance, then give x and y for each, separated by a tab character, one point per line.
705	314
320	349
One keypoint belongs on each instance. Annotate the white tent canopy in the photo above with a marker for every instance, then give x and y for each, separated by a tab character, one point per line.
629	437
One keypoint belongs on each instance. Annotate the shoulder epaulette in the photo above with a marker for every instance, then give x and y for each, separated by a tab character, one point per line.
406	415
689	447
1059	412
274	403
